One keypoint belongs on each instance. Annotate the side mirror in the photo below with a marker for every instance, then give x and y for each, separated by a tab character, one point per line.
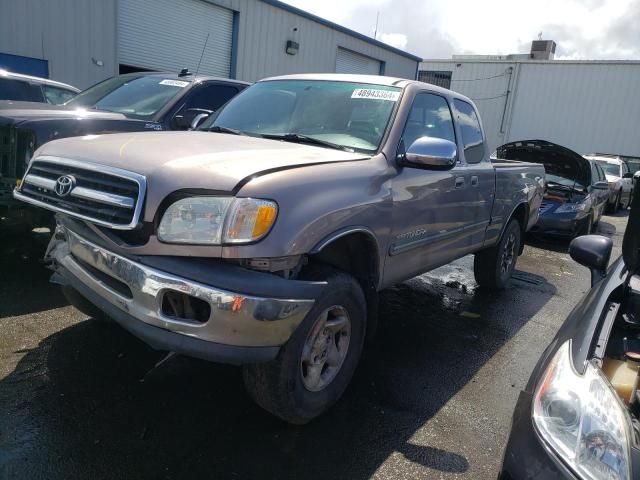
184	120
429	152
594	252
197	120
602	185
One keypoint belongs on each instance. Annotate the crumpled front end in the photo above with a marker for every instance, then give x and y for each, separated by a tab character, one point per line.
172	312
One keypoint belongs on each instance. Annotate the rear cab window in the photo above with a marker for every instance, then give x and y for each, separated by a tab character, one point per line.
472	139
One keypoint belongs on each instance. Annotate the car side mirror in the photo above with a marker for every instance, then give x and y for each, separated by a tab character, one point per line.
197	120
601	185
185	119
429	152
594	252
628	175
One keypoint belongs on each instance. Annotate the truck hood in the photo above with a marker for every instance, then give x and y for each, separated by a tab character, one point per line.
192	160
16	112
557	160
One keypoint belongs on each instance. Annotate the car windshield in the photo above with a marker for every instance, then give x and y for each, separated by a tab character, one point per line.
609	168
557	180
345	115
134	96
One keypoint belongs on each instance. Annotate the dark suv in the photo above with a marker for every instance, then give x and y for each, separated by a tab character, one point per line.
126	103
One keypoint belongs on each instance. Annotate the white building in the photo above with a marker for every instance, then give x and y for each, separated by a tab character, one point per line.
84	41
587	106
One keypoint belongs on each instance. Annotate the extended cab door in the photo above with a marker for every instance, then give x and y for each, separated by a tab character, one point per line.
428	210
477	171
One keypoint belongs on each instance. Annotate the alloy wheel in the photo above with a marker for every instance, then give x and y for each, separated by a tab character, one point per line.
325	348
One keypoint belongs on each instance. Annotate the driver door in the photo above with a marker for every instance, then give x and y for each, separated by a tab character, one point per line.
428	212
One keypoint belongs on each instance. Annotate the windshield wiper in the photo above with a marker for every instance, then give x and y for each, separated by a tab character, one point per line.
299	138
219	129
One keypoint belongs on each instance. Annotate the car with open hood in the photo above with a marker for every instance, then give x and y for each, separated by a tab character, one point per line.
576	192
619	177
579	415
145	102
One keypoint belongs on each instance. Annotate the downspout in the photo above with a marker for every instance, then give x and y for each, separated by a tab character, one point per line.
506	100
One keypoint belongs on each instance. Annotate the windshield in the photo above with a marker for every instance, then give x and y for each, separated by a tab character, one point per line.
134	96
348	115
612	169
557	180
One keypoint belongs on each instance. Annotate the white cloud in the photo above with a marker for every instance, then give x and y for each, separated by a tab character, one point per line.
440	28
398	40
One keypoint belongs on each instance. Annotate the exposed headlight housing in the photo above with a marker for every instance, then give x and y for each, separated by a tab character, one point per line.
572	207
581	418
217	220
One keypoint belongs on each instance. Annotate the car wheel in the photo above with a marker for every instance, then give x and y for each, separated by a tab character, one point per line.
587	227
494	266
313	369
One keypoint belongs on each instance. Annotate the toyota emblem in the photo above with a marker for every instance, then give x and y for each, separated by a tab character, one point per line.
64	185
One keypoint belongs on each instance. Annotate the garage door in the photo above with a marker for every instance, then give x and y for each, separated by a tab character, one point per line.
169	35
351	62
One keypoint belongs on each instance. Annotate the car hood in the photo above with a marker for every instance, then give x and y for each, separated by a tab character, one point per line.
192	160
20	111
557	160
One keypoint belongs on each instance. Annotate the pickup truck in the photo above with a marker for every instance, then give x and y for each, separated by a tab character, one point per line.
264	238
146	101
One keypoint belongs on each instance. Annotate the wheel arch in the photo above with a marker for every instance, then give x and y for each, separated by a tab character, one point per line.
355	250
520	213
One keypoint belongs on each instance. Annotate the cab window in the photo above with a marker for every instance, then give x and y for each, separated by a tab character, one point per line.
57	96
430	116
474	148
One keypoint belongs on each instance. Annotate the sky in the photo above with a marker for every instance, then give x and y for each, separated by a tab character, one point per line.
583	29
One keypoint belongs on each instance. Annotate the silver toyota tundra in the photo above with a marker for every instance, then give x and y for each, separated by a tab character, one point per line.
264	238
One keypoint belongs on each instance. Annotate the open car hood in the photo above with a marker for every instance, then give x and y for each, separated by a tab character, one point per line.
557	160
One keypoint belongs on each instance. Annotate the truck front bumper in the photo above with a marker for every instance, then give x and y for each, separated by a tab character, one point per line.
239	329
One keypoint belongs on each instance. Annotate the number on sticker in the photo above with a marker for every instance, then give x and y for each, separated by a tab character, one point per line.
375	94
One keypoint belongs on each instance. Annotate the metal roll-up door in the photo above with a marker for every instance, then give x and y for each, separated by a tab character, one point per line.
169	35
351	62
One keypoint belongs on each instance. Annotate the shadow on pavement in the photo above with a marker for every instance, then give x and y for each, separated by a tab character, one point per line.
24	282
88	402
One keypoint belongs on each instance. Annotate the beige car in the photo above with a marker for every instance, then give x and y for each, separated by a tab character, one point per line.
264	238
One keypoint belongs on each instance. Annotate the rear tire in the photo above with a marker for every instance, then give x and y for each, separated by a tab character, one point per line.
494	266
315	366
587	228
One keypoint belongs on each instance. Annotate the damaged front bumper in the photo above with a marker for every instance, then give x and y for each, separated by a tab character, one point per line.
238	327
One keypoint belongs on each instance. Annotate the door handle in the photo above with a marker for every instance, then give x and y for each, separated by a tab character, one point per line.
474	181
460	182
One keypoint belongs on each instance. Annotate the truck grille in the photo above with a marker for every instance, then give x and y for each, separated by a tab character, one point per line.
103	195
7	151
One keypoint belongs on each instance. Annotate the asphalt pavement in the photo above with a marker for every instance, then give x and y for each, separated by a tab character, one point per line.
83	399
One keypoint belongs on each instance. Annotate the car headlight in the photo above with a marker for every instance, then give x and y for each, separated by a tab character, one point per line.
572	207
582	419
217	220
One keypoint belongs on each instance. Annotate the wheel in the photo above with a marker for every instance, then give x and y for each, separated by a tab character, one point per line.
494	266
84	305
315	366
587	227
616	204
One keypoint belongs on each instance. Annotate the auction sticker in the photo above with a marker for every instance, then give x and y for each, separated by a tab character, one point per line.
174	83
375	94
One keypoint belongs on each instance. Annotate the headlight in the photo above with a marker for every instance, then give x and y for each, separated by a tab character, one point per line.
582	419
572	207
217	220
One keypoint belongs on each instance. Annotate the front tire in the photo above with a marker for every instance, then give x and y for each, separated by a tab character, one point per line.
494	266
315	366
